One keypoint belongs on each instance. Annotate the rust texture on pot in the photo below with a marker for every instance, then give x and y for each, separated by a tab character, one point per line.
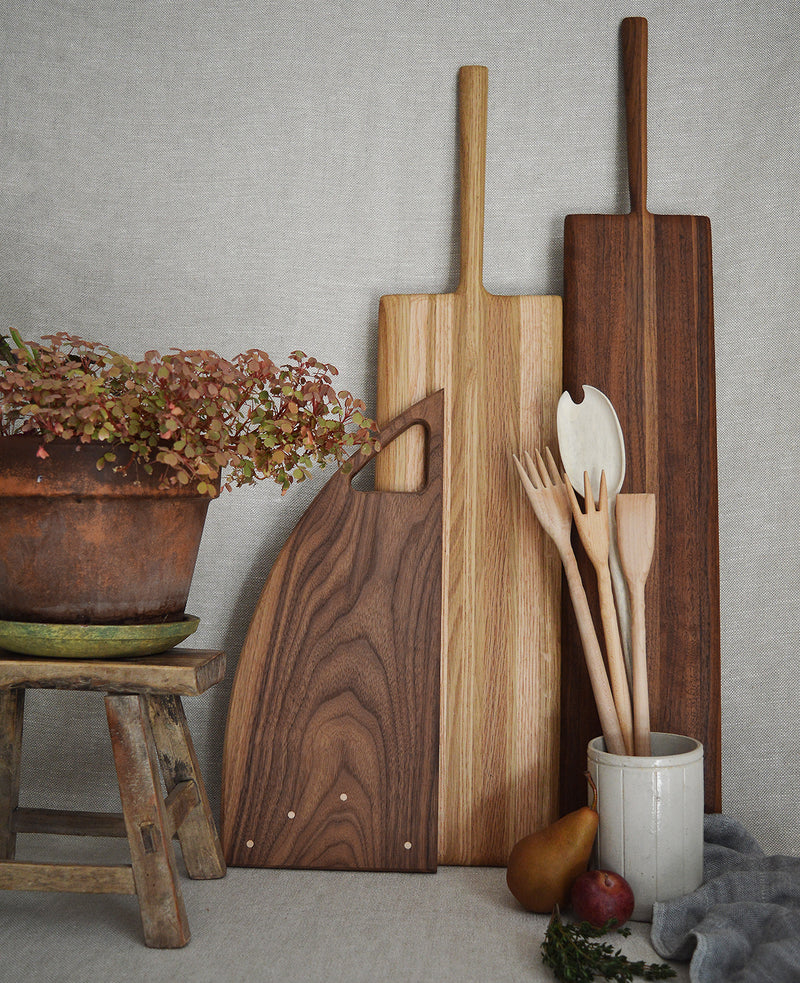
82	546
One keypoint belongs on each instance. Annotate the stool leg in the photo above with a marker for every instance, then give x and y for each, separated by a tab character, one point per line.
152	859
202	851
12	702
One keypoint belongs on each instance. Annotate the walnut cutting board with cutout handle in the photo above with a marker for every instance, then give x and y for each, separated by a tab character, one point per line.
331	747
498	359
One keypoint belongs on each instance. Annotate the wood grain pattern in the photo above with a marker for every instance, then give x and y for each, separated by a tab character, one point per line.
144	730
12	704
184	672
638	324
331	746
201	847
593	528
182	799
636	529
155	875
499	361
80	878
68	822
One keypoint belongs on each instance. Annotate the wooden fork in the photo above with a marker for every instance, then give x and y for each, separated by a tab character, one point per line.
548	497
593	528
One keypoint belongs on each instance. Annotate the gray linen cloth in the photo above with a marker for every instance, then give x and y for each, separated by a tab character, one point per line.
743	924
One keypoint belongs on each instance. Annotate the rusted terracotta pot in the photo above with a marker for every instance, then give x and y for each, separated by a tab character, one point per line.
82	546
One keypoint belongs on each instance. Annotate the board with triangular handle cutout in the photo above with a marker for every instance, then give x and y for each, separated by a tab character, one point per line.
331	746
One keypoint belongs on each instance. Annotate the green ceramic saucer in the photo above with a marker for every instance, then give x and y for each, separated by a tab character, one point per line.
93	641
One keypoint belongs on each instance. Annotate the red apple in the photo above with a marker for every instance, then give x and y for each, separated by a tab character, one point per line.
598	895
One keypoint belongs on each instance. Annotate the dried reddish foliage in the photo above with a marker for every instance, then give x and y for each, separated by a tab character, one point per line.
198	413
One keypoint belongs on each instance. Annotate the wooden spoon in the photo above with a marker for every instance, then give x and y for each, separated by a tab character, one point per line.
590	439
636	532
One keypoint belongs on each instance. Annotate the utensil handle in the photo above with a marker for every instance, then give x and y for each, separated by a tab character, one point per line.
634	60
620	594
473	95
601	689
641	701
616	662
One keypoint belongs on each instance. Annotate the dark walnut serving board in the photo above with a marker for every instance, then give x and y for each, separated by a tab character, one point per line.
332	742
638	324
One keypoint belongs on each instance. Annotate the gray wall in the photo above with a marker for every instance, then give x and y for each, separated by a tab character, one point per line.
242	174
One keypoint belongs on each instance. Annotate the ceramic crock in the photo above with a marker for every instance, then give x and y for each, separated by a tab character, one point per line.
651	818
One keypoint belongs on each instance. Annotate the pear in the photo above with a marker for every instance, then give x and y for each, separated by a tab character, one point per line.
543	866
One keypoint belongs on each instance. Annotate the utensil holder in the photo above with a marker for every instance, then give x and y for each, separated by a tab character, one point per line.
651	818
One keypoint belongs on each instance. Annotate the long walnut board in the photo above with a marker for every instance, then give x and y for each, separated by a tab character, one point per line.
638	324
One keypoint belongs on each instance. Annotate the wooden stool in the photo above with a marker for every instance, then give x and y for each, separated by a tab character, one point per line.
147	726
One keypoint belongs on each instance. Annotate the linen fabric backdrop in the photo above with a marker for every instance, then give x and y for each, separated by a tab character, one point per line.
243	174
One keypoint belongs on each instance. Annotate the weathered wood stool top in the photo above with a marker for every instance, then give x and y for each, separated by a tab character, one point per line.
149	737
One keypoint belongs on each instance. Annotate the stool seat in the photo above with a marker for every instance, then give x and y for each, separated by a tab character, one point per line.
150	738
184	672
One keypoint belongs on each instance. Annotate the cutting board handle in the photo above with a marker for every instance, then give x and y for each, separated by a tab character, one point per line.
634	61
473	95
428	413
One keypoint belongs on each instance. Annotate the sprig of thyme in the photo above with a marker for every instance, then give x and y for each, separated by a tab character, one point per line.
574	958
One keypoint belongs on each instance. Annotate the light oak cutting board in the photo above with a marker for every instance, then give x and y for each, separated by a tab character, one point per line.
639	325
498	359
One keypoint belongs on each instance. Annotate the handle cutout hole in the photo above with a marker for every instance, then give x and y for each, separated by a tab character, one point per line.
400	466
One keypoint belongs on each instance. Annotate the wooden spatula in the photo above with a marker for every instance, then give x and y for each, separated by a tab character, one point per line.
636	534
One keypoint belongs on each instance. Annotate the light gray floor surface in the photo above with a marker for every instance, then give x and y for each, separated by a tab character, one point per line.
256	926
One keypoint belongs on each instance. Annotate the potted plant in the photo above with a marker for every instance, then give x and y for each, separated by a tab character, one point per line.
108	464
